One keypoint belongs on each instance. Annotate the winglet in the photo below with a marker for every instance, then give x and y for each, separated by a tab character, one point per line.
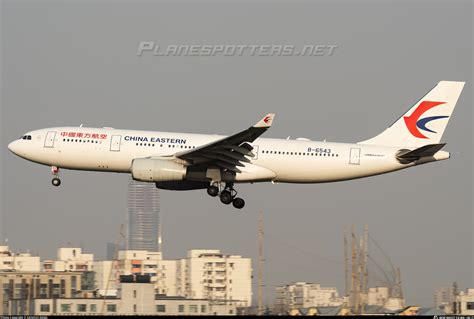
266	121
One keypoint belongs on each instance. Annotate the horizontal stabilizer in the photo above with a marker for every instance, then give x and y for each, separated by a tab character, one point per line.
406	156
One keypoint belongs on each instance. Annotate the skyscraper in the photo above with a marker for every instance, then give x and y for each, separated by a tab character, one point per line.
143	216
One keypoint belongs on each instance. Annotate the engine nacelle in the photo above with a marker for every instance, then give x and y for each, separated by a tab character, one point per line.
157	170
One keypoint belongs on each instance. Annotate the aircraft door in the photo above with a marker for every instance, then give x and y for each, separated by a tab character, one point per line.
354	158
115	143
49	140
255	151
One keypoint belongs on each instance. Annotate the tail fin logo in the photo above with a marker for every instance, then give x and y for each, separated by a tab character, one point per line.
414	123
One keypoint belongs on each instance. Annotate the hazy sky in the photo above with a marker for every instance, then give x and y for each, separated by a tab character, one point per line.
73	62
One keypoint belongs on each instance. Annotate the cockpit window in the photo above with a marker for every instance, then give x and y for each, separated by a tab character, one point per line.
25	137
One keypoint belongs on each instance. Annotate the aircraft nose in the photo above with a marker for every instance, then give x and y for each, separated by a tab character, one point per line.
13	147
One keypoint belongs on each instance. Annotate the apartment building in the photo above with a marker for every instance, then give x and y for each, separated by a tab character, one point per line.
11	261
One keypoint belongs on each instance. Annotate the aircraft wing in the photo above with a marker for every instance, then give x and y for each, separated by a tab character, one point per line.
228	153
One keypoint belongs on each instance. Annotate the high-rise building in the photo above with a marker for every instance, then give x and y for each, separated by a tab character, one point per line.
143	216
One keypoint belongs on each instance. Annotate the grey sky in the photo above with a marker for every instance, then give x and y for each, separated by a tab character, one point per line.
67	63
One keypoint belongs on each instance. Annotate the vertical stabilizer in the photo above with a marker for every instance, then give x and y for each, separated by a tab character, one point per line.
425	122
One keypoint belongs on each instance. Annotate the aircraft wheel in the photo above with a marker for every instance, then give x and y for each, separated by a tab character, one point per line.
226	197
238	203
213	191
56	182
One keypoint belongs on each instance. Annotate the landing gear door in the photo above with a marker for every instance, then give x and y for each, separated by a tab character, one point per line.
354	158
49	140
115	143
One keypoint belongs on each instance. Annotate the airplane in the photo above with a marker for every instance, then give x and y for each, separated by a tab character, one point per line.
182	161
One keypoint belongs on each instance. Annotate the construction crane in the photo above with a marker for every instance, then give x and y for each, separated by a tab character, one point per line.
260	264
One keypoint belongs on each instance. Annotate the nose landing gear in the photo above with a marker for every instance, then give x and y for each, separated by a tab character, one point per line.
56	181
227	195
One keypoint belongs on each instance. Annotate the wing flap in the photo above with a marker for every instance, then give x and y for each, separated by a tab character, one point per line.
222	158
227	166
238	149
233	155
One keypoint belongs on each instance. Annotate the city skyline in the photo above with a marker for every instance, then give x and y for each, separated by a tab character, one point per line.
73	259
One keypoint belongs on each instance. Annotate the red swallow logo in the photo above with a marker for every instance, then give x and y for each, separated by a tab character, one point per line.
413	122
267	119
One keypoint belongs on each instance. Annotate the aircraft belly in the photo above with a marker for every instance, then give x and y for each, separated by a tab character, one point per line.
310	171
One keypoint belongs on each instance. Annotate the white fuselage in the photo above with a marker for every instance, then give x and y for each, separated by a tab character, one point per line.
277	160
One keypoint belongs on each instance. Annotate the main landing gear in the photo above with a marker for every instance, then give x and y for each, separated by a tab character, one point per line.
56	181
227	195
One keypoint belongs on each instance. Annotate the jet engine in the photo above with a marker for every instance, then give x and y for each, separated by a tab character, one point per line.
157	170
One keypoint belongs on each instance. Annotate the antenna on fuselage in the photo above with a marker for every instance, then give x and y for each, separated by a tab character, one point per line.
81	125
